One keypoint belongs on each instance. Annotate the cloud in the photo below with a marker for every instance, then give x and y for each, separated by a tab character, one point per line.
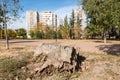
67	10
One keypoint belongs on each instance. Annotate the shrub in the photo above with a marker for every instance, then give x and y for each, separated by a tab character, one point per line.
38	35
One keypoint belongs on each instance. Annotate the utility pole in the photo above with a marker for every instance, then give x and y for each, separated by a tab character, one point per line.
4	22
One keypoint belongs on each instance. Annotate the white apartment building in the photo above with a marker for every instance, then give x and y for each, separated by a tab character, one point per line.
48	18
32	17
59	21
81	14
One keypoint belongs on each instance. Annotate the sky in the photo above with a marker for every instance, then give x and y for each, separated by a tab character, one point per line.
60	7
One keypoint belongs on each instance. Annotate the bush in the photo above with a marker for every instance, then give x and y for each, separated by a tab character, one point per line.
32	34
49	34
11	34
59	35
21	32
38	35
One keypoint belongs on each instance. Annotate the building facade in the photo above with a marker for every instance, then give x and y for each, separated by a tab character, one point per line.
48	18
51	19
59	21
32	18
79	13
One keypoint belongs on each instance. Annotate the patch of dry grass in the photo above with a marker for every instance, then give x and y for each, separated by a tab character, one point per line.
15	50
14	68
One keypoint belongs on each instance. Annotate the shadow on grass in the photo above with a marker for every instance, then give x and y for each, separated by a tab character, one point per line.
110	49
18	48
101	41
21	41
98	41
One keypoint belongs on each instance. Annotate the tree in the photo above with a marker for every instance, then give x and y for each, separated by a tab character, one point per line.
41	27
10	10
31	33
72	20
38	35
103	13
21	32
49	34
38	27
76	32
11	34
93	31
59	34
77	28
65	28
85	33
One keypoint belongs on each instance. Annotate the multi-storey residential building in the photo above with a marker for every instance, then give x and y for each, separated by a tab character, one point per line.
59	21
48	18
79	13
32	17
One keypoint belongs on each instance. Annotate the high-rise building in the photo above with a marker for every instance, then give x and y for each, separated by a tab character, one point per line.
79	13
59	21
48	18
32	17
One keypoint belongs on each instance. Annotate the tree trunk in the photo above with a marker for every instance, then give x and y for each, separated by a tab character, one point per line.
4	23
7	42
105	38
56	34
119	35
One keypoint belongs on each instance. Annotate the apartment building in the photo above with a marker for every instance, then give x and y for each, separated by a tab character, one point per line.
48	18
79	13
59	21
32	18
51	19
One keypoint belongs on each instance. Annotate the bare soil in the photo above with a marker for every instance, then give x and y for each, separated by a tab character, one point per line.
92	46
102	61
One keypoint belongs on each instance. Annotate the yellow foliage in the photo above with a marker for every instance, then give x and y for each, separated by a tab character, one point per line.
40	27
76	31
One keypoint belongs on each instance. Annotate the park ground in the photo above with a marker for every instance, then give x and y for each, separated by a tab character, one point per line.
91	46
102	59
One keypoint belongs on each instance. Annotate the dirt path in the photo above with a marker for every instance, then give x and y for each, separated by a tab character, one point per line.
112	47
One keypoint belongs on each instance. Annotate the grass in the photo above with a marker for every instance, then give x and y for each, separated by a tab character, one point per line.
10	68
13	61
95	57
